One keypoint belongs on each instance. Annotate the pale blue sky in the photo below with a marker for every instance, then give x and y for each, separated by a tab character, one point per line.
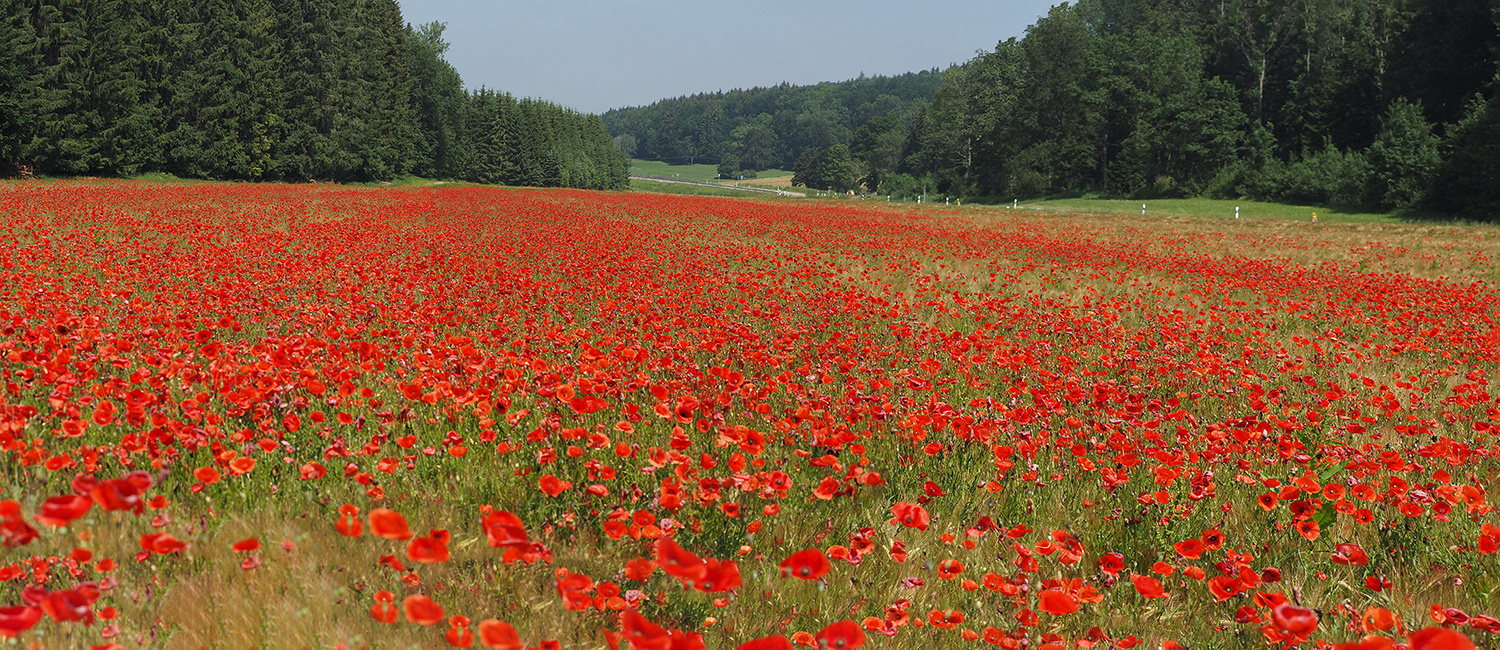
594	55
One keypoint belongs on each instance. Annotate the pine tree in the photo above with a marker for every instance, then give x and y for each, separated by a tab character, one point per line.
437	101
56	145
18	112
389	136
489	164
225	97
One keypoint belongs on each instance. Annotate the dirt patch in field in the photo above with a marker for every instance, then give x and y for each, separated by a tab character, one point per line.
776	182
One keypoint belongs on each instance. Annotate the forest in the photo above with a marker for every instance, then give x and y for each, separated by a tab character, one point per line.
764	128
1381	103
294	90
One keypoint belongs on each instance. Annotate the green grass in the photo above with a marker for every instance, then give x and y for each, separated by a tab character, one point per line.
639	185
1202	207
702	173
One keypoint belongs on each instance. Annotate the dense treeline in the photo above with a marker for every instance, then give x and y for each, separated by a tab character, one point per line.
338	90
1379	102
764	128
1387	103
1382	103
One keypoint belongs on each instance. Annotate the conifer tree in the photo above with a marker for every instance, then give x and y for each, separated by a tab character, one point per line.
18	112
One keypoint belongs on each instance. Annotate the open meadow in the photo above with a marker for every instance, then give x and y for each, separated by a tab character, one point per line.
288	416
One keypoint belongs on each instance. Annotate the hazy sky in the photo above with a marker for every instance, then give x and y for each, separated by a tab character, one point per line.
594	55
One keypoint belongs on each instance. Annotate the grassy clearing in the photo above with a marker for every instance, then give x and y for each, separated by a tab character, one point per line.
639	185
701	173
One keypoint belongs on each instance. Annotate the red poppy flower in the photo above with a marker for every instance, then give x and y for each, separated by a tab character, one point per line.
641	633
162	544
1488	544
1377	619
422	610
1487	623
389	524
246	545
499	635
17	619
773	642
349	524
641	568
1309	529
1112	563
1350	554
384	610
63	510
945	619
1437	638
898	551
843	635
1191	549
503	529
430	549
809	564
949	569
552	486
1147	586
207	475
68	605
1294	620
1223	587
120	495
1246	615
677	562
1057	603
718	576
243	464
911	515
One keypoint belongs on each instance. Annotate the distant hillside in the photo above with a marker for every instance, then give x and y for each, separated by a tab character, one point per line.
764	128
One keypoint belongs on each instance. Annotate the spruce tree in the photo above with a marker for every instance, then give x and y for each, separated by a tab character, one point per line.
57	145
18	112
437	101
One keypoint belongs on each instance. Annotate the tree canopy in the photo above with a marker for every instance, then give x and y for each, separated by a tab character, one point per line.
1381	103
340	90
770	127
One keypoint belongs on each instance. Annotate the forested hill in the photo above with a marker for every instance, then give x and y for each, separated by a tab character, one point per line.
1385	103
762	128
339	90
1380	103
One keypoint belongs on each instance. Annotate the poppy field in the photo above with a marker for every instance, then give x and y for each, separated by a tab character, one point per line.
287	416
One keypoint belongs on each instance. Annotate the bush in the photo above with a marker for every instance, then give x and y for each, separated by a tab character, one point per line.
1403	157
729	166
1467	182
1228	183
900	185
1328	177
